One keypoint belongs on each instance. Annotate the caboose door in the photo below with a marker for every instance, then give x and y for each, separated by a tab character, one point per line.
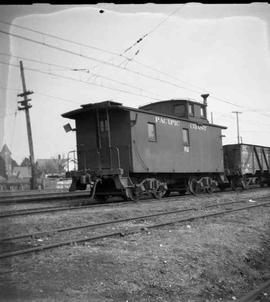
103	137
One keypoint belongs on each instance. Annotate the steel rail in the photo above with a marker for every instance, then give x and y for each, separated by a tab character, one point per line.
251	296
127	232
42	210
93	225
22	212
6	199
36	234
29	193
40	197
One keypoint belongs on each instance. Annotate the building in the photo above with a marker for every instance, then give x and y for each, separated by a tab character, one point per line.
6	162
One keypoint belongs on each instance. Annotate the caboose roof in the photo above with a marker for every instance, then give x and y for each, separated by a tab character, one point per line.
180	101
118	106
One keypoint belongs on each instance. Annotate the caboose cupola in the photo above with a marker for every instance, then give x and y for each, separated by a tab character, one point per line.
186	109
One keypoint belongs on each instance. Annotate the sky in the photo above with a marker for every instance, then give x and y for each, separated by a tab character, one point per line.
186	50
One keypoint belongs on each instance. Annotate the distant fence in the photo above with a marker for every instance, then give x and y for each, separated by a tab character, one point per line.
43	184
15	185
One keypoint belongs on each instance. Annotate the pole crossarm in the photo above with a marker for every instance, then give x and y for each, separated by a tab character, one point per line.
25	93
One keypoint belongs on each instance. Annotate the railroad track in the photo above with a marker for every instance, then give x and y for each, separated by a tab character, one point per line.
93	204
124	231
54	196
36	197
82	205
42	210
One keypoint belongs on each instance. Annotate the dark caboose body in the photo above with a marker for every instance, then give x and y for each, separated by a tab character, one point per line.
158	148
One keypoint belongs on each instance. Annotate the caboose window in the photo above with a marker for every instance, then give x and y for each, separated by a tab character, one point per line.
203	111
103	125
179	110
152	135
191	109
185	137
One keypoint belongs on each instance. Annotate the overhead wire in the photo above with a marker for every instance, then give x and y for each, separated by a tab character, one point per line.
109	63
113	65
142	64
83	69
94	59
152	30
116	66
44	94
59	38
89	83
101	49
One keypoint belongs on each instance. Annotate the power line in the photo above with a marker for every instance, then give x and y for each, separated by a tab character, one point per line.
94	59
82	82
228	115
113	65
60	38
44	94
81	69
103	50
225	115
89	83
121	55
152	30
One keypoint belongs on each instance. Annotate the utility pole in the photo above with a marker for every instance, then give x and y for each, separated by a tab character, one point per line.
25	106
237	124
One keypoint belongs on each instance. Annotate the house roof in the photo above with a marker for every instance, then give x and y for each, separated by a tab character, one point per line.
5	150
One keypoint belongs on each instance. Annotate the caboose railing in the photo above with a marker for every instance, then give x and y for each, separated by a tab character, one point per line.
70	159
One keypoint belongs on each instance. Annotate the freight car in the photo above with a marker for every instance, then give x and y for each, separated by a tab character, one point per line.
156	149
246	165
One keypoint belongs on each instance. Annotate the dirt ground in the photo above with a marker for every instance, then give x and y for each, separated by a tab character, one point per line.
217	259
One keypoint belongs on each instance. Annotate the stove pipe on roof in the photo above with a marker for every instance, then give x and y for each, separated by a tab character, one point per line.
205	96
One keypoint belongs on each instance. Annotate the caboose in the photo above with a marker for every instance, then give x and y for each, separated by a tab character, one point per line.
156	149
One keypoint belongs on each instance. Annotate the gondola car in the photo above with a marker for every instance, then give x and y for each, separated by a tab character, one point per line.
156	149
247	165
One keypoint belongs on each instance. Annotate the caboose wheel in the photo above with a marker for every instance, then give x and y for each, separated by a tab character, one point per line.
209	190
193	186
212	185
159	193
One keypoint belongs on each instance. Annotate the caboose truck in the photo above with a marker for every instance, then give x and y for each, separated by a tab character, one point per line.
156	149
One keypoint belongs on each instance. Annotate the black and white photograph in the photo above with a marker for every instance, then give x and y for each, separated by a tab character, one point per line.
135	152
